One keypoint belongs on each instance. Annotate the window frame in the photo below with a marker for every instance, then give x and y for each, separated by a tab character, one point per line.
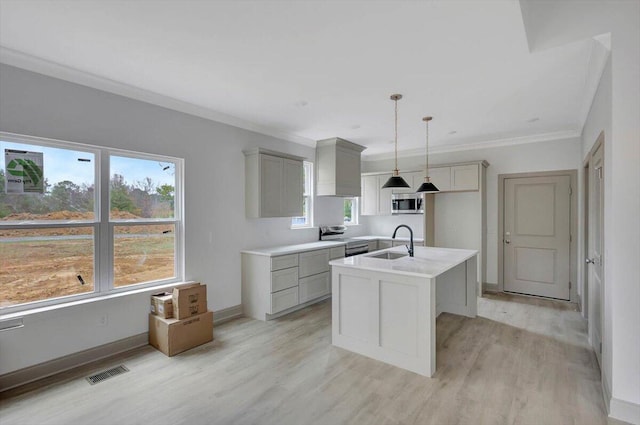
103	226
355	210
308	209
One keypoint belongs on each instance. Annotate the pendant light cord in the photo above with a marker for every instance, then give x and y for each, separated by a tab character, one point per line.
426	169
426	154
396	140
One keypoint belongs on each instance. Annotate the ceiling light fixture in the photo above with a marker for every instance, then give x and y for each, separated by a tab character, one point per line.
395	180
427	186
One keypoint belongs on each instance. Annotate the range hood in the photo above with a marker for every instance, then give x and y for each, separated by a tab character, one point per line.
338	167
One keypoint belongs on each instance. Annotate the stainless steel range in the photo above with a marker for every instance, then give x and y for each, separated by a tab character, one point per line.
336	233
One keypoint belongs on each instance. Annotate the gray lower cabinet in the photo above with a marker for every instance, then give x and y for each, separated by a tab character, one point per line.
272	285
284	299
315	286
383	244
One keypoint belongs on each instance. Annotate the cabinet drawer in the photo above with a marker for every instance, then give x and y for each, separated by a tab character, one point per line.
313	262
283	279
283	300
284	262
314	286
337	252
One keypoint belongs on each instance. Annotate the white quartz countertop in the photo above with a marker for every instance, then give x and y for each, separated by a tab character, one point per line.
292	249
386	238
310	246
428	262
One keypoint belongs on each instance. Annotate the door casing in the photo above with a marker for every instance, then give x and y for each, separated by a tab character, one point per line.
573	265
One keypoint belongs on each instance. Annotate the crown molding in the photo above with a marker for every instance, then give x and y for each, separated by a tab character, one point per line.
497	143
41	66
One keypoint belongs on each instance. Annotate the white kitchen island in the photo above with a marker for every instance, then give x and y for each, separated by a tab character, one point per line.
386	309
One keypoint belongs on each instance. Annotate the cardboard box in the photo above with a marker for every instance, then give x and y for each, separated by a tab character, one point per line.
162	304
189	301
173	336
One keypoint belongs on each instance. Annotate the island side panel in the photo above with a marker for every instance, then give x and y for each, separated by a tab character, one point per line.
456	289
472	286
385	316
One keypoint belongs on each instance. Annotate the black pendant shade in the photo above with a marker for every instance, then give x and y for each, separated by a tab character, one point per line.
395	181
428	187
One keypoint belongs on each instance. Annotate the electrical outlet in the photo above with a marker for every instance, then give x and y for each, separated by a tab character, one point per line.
103	320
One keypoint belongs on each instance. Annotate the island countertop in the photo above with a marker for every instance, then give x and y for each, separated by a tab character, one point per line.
427	262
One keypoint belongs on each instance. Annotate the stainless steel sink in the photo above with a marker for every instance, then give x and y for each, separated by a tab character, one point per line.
388	255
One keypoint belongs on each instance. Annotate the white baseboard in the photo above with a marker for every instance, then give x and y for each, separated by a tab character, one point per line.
226	314
624	411
33	373
61	364
490	287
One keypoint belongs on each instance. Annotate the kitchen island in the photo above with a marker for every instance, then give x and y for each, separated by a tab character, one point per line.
385	303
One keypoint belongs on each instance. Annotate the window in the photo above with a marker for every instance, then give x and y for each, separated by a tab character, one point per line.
68	229
306	220
351	211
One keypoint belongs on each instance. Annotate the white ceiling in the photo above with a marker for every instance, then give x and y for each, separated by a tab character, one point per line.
312	70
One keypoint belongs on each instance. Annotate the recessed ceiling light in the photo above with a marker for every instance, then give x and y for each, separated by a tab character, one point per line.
534	119
301	104
452	132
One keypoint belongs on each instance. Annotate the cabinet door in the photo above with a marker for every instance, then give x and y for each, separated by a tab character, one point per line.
384	196
408	177
314	286
271	169
417	178
373	245
441	177
292	188
313	262
369	199
337	252
464	177
384	244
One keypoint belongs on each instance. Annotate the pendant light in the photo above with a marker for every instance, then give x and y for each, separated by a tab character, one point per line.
395	180
427	186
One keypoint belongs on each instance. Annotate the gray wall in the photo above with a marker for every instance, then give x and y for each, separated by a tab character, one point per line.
215	226
457	213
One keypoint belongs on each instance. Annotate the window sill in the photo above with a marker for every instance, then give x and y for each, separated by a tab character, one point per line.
352	224
94	299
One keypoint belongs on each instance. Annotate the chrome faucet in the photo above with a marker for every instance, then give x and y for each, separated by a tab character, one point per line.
409	248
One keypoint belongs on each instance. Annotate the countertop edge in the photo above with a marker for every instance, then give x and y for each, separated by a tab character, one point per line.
340	262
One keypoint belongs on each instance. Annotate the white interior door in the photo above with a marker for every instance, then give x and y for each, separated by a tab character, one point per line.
595	245
537	230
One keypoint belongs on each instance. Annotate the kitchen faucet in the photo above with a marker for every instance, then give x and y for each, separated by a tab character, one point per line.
409	248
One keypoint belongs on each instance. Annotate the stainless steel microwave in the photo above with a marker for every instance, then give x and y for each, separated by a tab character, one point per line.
406	203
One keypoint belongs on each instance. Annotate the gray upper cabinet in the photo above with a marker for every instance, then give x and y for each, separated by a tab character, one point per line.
274	184
374	199
457	178
413	179
338	167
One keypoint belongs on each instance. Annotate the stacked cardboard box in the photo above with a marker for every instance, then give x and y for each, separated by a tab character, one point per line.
179	321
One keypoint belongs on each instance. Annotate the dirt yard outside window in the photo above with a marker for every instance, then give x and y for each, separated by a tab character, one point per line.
39	264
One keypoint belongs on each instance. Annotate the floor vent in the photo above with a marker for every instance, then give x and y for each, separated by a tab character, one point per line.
104	375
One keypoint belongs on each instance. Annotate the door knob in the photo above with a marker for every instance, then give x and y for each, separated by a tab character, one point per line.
590	260
507	241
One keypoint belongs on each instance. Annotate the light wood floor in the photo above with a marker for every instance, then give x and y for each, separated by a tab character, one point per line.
522	361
